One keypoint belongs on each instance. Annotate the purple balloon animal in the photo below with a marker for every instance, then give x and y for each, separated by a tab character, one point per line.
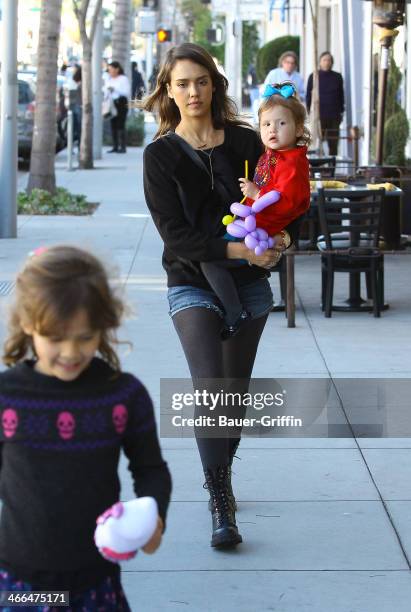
254	237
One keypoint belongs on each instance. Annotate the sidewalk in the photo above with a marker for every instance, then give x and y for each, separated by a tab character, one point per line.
325	521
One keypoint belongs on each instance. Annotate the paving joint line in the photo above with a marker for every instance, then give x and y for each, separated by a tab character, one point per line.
359	448
136	251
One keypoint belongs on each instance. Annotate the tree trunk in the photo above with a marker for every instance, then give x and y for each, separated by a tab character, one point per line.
81	12
121	34
43	151
86	145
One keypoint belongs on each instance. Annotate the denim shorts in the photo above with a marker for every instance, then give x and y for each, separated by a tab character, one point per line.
256	298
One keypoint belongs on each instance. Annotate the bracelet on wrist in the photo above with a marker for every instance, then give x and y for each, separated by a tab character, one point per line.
285	239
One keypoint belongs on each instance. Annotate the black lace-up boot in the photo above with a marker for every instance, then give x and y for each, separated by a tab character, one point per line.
225	532
230	491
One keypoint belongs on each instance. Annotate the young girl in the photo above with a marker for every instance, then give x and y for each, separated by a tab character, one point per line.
283	172
65	416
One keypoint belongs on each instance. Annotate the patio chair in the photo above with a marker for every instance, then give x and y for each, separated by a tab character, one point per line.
350	221
280	305
324	165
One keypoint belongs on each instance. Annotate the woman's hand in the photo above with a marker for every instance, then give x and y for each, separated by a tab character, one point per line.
267	260
155	539
271	257
248	188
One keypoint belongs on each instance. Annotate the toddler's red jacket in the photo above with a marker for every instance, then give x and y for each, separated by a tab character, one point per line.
285	171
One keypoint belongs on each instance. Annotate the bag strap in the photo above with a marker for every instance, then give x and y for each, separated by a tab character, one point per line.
188	149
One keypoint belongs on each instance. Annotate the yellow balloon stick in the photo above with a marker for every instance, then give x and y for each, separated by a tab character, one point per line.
227	219
246	176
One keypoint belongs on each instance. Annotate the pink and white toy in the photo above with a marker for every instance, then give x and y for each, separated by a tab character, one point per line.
125	527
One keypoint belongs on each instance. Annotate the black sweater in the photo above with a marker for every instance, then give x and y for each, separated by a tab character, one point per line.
60	447
187	213
331	94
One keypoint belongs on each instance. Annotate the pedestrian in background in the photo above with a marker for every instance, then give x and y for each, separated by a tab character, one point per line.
152	81
75	103
287	71
137	82
66	415
191	173
119	87
331	89
253	90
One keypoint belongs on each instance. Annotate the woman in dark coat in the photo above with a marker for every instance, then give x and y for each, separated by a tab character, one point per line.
331	100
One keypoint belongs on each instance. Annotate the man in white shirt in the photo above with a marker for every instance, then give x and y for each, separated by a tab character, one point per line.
287	71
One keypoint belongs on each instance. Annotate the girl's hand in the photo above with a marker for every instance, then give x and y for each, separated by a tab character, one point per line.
248	188
155	539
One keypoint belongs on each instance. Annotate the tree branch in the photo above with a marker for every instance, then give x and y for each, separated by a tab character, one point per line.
81	18
94	18
76	10
311	9
84	7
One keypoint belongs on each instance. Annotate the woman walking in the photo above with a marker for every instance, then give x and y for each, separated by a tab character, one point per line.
119	87
191	173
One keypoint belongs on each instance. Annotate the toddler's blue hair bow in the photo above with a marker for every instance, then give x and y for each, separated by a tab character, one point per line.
286	91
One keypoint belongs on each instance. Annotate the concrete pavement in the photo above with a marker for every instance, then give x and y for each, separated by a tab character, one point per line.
325	521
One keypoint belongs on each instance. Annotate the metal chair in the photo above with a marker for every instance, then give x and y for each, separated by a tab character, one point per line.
350	222
324	165
280	305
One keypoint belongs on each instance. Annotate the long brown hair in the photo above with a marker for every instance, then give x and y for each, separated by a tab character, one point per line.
52	287
223	109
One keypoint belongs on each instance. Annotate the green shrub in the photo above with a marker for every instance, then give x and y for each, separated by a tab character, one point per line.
394	81
396	132
251	44
41	202
135	129
198	20
269	54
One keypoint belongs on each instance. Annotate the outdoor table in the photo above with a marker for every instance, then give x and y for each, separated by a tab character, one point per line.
390	229
290	255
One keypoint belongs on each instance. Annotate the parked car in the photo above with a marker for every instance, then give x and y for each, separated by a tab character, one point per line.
25	115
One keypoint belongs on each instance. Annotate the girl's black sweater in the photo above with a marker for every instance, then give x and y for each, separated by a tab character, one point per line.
187	212
60	444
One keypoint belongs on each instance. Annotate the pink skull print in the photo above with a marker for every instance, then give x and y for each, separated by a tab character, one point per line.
9	421
66	424
120	418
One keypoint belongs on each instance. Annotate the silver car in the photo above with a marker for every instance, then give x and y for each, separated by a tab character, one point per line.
25	117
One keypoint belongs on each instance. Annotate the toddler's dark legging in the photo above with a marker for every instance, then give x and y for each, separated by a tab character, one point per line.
209	358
